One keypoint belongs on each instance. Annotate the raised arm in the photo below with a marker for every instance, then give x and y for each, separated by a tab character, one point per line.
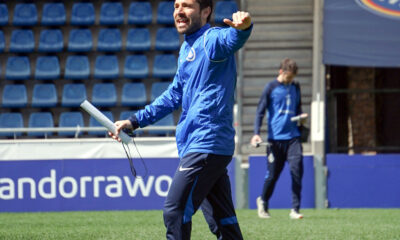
223	42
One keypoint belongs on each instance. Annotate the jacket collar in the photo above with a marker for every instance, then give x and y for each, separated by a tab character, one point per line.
190	39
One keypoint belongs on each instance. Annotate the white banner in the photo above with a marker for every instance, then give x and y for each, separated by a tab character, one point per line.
45	149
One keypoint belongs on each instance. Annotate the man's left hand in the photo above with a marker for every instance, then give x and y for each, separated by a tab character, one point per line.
303	118
119	125
241	20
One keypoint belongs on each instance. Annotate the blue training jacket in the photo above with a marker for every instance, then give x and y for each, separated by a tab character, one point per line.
204	86
282	102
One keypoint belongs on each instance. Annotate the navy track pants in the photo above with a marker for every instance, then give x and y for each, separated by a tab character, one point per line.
200	177
278	152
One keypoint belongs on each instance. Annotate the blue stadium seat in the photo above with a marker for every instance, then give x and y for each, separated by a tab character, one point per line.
138	39
82	14
14	96
53	14
224	9
167	39
158	88
106	67
44	95
18	68
94	123
25	14
47	68
109	40
165	12
40	120
133	95
3	14
70	119
104	95
140	13
164	66
22	41
80	40
136	66
166	121
77	67
11	120
126	115
73	94
51	40
111	13
2	41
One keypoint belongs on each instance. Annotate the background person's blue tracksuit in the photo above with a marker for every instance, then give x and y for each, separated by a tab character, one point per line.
282	102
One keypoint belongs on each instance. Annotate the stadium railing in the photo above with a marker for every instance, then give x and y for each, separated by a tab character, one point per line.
77	130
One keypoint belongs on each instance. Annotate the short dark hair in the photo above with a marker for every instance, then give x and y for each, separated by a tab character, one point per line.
289	65
204	4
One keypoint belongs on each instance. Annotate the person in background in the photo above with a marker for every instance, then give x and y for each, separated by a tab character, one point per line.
281	99
204	87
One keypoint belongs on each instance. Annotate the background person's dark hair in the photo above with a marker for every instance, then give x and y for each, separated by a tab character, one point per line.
289	65
205	4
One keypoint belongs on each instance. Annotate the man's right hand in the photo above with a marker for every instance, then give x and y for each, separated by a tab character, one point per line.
256	140
119	126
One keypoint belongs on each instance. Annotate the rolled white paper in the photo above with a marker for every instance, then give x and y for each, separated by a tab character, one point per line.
297	118
103	120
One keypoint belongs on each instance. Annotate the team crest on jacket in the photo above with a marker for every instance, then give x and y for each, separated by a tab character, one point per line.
386	8
191	56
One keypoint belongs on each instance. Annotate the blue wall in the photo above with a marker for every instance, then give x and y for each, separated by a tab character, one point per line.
281	197
357	181
86	184
361	181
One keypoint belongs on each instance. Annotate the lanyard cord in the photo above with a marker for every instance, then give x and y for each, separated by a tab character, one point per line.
128	155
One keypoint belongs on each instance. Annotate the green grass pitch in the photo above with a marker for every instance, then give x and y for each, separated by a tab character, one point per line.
148	225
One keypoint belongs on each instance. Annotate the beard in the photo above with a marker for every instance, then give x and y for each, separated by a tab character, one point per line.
193	24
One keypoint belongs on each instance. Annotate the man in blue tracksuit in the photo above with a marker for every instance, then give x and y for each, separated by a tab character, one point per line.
204	86
281	99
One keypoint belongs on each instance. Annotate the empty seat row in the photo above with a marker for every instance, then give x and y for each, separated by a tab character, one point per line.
103	95
138	39
15	96
83	14
81	40
78	67
68	119
111	13
18	68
